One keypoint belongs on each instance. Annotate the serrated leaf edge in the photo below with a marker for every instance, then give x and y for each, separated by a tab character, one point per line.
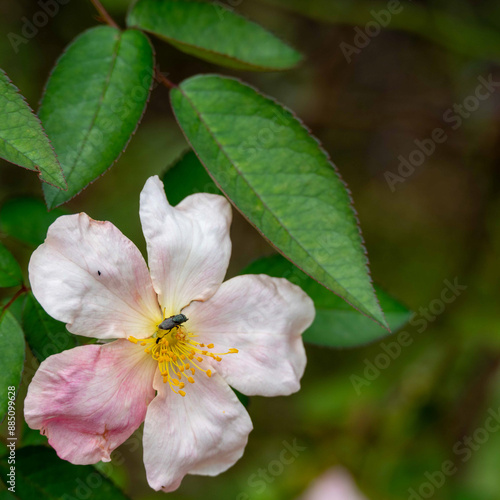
37	167
133	132
256	67
275	101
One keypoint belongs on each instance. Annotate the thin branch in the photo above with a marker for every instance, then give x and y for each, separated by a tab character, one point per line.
104	14
22	290
161	78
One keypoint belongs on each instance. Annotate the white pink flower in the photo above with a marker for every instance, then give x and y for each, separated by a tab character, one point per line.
244	333
334	484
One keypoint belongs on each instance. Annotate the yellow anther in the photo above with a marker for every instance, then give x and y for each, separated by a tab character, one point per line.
172	349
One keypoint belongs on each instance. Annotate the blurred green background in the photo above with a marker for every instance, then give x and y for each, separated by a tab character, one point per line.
441	223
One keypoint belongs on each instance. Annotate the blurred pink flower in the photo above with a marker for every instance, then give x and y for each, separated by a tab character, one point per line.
334	484
244	333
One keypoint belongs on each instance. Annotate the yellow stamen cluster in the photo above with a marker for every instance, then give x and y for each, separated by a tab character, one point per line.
178	355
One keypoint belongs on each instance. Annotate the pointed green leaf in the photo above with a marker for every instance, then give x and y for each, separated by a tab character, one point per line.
213	32
42	475
44	334
277	175
10	272
22	139
187	176
94	99
336	323
12	349
27	219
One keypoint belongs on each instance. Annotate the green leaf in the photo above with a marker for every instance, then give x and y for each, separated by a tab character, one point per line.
27	219
32	437
243	399
213	32
22	139
42	475
186	177
6	495
277	175
44	334
336	323
12	349
94	99
10	272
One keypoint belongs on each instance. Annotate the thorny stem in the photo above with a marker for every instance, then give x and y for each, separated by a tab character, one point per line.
159	76
22	290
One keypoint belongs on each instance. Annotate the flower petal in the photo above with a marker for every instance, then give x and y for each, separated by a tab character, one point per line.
90	399
334	484
188	245
263	318
203	433
89	275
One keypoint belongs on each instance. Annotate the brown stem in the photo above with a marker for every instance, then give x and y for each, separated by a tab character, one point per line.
104	14
22	290
161	78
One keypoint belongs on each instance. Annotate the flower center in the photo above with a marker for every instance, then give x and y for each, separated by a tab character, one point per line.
178	355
